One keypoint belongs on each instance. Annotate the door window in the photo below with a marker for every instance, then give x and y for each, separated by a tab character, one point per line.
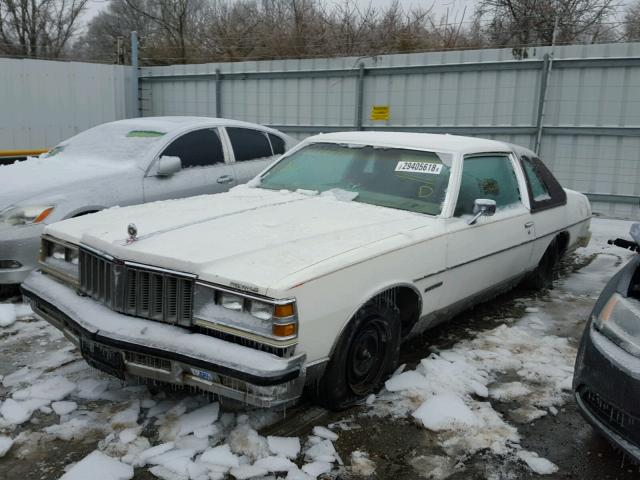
277	144
200	148
249	144
487	176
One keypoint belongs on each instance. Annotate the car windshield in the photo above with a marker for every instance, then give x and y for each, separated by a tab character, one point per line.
115	141
398	178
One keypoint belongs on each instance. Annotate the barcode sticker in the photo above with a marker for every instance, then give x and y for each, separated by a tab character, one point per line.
419	167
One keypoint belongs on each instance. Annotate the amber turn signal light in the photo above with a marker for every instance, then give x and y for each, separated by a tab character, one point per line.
44	214
283	311
285	330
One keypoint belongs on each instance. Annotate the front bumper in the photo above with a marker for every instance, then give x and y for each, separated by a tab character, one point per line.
20	244
607	389
125	346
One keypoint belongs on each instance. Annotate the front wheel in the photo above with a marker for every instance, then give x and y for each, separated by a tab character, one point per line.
366	354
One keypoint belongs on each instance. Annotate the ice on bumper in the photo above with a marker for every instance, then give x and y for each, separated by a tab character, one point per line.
167	353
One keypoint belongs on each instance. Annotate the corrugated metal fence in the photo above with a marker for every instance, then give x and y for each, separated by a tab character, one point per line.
43	102
582	103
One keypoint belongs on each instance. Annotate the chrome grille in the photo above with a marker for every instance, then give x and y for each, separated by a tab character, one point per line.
148	361
136	290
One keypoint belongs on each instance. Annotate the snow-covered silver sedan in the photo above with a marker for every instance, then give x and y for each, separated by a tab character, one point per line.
124	163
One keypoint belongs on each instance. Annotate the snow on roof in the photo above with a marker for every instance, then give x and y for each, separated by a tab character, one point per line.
169	124
422	141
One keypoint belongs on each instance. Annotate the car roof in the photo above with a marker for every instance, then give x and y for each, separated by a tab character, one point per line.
422	141
175	123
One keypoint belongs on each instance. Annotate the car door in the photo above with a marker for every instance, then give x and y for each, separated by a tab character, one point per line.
204	169
496	249
253	151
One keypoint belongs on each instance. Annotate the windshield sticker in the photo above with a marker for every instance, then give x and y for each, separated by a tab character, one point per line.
419	167
144	134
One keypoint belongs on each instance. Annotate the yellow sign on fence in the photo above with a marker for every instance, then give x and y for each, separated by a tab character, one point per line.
380	112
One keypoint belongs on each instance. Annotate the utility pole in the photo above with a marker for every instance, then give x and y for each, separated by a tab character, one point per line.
135	75
545	83
120	50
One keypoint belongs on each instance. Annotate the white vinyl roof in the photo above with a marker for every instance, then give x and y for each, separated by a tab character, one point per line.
421	141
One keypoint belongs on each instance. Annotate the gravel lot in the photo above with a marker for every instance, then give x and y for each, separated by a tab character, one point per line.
504	366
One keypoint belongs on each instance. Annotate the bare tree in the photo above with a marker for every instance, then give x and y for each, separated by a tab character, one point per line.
539	22
38	28
174	19
176	31
632	22
118	20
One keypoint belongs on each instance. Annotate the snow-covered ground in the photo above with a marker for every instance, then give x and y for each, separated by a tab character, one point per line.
49	396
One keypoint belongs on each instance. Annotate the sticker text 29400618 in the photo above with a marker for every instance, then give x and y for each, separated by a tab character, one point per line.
419	167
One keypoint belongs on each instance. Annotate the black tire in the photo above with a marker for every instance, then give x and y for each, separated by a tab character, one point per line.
545	273
367	353
8	291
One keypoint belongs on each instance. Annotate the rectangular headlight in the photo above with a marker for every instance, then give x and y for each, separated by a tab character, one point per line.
60	258
619	320
218	308
261	310
230	301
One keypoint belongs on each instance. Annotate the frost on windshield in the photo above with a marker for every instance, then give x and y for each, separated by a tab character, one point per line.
340	194
114	141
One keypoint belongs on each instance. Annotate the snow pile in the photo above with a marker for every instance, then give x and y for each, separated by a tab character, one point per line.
197	441
98	466
10	313
450	391
361	464
539	465
5	445
7	314
25	402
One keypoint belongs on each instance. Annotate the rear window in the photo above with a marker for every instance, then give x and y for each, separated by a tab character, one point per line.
544	190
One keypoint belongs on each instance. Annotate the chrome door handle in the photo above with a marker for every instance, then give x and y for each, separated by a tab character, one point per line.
225	179
528	225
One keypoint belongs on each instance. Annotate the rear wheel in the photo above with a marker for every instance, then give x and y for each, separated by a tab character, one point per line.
544	274
366	354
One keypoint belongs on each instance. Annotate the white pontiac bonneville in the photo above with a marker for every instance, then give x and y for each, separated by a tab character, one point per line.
313	273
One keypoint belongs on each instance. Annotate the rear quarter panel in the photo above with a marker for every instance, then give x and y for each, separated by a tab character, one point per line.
574	217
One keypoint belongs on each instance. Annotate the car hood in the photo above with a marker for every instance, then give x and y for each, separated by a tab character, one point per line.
45	177
249	237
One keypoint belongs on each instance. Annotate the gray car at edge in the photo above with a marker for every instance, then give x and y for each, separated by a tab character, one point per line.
122	163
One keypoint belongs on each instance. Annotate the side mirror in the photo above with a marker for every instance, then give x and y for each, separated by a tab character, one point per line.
167	166
482	207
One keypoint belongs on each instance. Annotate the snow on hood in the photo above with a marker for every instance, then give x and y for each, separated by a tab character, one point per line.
249	235
36	177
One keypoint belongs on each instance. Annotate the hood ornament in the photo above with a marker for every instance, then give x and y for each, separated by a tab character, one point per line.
132	230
